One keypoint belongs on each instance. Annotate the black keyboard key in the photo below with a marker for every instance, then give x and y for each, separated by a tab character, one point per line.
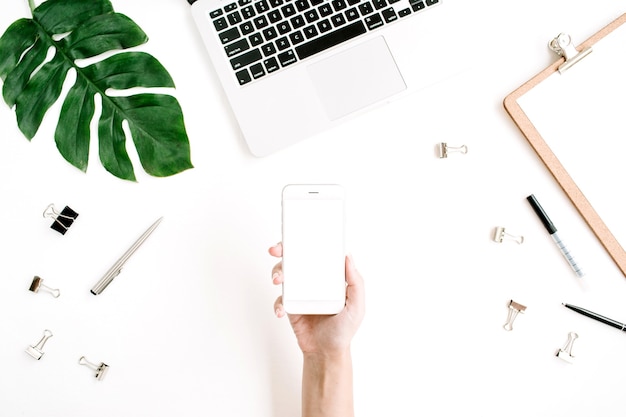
310	31
404	12
287	58
275	3
297	22
302	5
234	18
229	35
353	2
311	16
316	2
237	47
257	71
379	4
325	10
389	15
256	39
270	33
243	76
352	14
282	43
330	39
246	28
283	27
288	10
366	8
230	7
338	20
268	49
220	24
262	6
248	12
374	21
296	37
216	13
274	16
339	5
271	65
246	59
324	26
431	2
417	5
260	22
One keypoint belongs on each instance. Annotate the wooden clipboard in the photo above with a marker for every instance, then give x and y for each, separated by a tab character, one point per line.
546	154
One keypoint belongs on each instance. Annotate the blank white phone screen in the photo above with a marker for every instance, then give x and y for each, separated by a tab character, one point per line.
313	249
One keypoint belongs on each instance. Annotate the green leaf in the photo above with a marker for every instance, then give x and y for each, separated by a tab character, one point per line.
79	29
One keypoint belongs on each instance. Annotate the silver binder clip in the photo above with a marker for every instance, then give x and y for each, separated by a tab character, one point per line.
36	350
514	309
499	234
564	47
37	285
444	149
62	220
100	370
566	352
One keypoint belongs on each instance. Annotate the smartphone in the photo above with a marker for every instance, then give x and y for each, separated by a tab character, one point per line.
313	229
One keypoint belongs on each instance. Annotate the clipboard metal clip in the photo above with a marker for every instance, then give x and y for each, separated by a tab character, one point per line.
564	47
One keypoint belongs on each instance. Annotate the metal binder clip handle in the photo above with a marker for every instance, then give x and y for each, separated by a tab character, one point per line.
36	351
444	149
566	352
100	370
500	234
563	46
514	309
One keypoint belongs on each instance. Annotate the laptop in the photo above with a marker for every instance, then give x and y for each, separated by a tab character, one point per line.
294	68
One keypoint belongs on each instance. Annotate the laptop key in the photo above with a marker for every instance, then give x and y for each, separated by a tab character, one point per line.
243	77
237	47
287	58
389	15
271	65
229	35
373	21
246	59
330	39
257	71
220	24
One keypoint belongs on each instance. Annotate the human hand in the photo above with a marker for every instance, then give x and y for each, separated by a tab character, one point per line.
324	334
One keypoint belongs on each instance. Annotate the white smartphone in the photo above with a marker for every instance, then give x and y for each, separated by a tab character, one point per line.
313	228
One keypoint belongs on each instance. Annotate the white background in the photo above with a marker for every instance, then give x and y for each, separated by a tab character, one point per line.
188	327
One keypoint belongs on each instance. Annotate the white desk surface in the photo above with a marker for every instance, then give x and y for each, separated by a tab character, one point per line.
188	327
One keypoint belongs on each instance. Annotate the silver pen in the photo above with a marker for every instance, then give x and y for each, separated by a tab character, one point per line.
117	266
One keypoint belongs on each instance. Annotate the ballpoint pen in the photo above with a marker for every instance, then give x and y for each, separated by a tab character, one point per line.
117	266
553	233
598	317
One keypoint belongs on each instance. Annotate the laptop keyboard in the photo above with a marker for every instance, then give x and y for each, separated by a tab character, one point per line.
264	36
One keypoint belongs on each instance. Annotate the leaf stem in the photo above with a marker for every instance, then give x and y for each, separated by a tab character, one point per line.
31	4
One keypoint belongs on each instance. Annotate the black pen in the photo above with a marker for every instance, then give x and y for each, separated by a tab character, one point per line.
553	232
598	317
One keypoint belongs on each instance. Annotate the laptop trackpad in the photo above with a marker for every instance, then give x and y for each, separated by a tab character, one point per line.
355	78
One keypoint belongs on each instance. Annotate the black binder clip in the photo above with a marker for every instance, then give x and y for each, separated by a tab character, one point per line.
100	370
62	220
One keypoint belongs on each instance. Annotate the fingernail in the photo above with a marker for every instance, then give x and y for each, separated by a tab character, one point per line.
275	276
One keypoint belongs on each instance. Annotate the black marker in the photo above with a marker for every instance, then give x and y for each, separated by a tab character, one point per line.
596	316
552	230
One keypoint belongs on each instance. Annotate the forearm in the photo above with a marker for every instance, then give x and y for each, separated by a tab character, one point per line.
327	386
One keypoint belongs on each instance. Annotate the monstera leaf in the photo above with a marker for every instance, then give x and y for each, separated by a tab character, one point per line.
85	29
